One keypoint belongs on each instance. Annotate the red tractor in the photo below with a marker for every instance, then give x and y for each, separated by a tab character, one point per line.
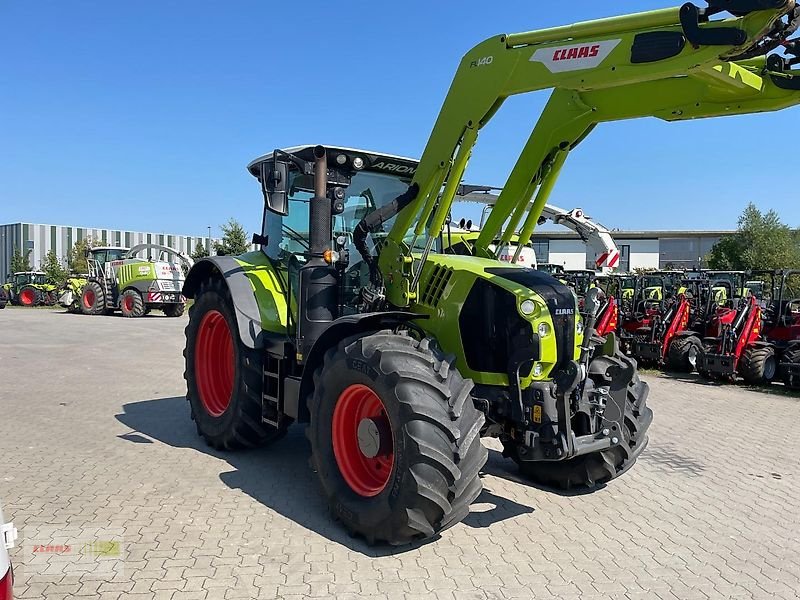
781	327
738	348
640	306
667	340
760	338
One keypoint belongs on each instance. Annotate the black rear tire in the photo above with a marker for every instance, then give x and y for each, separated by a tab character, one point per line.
758	365
684	353
131	304
591	470
174	310
434	432
93	299
792	356
239	425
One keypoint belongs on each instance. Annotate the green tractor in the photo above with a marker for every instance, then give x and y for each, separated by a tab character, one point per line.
119	279
29	288
400	357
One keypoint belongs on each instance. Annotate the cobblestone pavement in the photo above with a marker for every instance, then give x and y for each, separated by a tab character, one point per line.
96	445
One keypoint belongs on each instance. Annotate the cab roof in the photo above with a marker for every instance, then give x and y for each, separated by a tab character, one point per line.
374	161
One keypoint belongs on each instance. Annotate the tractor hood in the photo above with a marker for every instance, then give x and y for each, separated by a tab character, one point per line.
507	314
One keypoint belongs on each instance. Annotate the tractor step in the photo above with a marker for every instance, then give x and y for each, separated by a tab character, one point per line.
271	403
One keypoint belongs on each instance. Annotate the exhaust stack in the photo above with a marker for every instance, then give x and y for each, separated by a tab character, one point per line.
319	281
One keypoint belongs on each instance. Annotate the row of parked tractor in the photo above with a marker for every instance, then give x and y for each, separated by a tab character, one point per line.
133	281
723	324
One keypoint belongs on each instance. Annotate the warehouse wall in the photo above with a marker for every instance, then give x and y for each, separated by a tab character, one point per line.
40	239
569	253
644	254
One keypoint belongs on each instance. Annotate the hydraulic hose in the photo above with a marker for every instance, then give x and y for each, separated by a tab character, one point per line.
374	220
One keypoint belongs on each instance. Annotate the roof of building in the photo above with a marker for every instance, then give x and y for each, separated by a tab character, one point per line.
635	235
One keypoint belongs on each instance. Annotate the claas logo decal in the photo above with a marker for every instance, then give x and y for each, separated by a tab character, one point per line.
573	53
575	57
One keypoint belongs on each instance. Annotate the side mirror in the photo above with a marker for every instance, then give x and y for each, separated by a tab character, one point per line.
592	301
274	178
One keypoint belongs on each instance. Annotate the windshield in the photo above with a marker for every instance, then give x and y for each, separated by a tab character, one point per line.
117	254
367	192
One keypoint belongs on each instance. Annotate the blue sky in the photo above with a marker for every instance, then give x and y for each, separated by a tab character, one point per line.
143	115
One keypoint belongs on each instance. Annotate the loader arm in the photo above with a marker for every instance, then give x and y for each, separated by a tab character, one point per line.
674	64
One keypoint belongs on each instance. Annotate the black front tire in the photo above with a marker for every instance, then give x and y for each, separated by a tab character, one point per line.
792	356
131	304
684	353
591	470
435	432
240	425
93	299
174	310
758	365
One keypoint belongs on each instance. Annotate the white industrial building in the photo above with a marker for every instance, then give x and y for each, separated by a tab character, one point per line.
639	249
40	239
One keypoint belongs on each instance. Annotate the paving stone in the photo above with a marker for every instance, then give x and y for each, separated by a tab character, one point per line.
708	512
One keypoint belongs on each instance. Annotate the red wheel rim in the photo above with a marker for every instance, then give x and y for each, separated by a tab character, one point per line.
128	303
214	363
27	297
88	298
366	476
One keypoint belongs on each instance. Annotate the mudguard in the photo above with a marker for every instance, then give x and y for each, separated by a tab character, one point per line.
237	277
341	328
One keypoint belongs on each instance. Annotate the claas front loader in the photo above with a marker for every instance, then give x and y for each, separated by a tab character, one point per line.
400	357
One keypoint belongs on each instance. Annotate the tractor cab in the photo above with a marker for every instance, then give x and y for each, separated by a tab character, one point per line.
359	182
780	302
28	278
580	280
104	254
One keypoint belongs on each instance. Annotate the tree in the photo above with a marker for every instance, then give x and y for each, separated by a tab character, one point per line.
20	262
56	274
761	241
77	256
200	251
234	240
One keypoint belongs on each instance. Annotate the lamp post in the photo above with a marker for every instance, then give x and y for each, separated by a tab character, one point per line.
208	242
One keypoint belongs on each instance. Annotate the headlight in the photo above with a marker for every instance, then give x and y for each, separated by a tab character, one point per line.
527	307
579	326
537	370
358	163
544	330
341	159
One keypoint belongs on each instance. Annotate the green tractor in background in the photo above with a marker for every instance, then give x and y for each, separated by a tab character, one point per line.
29	288
119	279
400	357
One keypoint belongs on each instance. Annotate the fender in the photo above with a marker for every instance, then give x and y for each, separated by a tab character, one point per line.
341	328
245	305
685	333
